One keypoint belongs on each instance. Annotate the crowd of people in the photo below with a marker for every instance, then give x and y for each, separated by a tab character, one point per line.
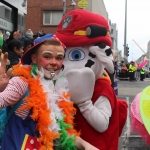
130	71
127	72
16	44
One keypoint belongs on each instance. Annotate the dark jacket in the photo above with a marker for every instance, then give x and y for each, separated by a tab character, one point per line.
14	58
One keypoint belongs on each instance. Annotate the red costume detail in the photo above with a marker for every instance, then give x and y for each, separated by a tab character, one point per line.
31	143
79	20
107	140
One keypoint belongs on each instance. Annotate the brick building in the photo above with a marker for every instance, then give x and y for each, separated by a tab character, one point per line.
46	14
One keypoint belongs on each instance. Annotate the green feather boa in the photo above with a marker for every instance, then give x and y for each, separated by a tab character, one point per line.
65	142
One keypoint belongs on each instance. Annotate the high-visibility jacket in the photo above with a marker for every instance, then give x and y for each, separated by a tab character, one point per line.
132	68
142	71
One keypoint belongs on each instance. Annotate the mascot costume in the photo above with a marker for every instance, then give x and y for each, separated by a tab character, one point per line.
100	115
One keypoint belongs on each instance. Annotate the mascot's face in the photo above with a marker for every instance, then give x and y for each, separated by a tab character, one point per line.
80	57
73	31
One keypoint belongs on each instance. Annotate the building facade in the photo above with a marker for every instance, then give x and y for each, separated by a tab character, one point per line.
97	6
12	15
148	53
46	15
114	35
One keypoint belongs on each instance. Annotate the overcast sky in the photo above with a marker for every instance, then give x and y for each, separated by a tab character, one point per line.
138	24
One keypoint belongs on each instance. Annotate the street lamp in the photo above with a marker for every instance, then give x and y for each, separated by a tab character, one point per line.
24	3
64	7
73	3
125	30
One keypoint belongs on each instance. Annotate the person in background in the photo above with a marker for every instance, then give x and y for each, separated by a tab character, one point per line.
27	43
1	40
15	51
132	69
14	35
137	73
40	33
29	34
116	69
127	72
148	72
116	75
119	68
115	80
142	74
123	71
6	35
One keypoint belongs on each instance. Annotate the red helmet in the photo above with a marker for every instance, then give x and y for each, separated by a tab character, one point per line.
80	28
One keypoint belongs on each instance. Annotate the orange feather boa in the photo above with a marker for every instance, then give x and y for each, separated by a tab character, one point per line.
36	100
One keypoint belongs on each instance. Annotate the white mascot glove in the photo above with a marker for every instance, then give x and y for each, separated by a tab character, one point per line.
81	84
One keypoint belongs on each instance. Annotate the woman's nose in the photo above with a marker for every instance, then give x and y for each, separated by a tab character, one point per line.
53	61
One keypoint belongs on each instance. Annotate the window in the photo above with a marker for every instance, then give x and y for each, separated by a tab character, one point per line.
111	31
19	19
52	17
7	14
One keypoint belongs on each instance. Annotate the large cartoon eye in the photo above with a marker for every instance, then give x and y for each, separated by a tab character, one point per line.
76	55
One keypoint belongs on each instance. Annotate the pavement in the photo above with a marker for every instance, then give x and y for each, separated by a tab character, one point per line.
127	91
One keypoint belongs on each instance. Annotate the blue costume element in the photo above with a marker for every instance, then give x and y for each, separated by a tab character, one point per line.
16	129
15	132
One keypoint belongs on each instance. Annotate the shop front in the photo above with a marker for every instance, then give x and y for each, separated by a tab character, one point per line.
12	15
5	26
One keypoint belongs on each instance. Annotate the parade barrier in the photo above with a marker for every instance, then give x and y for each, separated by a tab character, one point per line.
127	140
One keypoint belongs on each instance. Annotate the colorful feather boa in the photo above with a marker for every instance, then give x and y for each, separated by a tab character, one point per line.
37	102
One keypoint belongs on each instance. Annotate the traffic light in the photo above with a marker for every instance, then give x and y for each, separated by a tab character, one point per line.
127	51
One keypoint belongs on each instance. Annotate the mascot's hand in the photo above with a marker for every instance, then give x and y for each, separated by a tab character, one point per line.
81	84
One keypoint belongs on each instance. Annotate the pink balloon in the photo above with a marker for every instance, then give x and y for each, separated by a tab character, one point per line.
143	64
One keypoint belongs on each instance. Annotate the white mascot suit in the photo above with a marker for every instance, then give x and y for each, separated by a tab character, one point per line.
100	115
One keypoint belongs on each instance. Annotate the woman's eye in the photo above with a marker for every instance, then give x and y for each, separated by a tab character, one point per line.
46	57
59	58
76	55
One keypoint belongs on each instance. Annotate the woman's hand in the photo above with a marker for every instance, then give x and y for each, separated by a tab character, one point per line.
83	145
4	76
17	34
1	35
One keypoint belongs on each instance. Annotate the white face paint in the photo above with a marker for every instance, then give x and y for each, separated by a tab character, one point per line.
51	52
60	53
47	73
47	51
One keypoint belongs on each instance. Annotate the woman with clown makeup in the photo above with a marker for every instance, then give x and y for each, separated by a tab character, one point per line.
38	90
